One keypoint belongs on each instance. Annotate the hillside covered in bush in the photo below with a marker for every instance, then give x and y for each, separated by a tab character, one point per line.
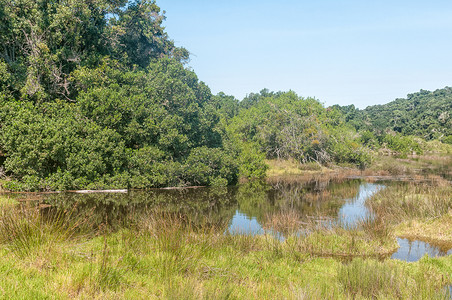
424	114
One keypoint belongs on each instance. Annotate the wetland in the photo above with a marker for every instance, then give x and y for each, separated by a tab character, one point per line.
323	237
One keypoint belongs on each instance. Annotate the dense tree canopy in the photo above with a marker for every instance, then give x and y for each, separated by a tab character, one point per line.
424	114
42	42
284	125
95	94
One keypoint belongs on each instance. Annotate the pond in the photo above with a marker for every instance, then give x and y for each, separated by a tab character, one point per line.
413	250
253	208
349	213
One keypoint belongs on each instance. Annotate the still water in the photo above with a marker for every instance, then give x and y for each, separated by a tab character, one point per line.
253	208
414	250
350	212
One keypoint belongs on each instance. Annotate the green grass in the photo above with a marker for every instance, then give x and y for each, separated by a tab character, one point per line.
7	200
422	165
25	229
412	201
163	255
371	279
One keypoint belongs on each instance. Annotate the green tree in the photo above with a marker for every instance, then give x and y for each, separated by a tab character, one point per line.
95	94
299	128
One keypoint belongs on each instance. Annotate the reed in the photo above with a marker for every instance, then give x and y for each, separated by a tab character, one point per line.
405	201
377	228
286	222
25	228
371	279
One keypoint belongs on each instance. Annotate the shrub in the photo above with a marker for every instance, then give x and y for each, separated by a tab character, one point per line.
403	145
210	166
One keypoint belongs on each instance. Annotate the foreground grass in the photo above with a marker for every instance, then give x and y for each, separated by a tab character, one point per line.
164	256
111	269
5	201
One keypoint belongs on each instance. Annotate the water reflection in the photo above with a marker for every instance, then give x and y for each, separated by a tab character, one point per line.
413	250
116	210
289	207
246	208
354	210
305	201
242	224
281	208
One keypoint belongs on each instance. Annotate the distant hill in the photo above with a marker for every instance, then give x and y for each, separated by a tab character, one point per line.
425	114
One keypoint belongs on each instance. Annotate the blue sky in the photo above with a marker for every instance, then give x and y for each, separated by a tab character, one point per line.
340	52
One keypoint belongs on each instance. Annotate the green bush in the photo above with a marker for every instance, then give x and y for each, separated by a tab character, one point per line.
252	162
210	166
58	148
403	145
300	129
93	109
448	140
368	139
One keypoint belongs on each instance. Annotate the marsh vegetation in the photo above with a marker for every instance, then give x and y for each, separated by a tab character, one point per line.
314	239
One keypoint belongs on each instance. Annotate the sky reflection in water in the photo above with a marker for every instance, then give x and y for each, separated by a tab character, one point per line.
414	250
349	215
252	209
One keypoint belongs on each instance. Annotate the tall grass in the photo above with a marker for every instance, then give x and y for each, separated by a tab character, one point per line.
417	211
324	237
413	166
371	279
109	275
376	228
6	200
194	290
24	228
286	222
403	201
179	244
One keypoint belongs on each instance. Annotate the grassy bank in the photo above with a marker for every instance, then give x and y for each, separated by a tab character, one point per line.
421	212
432	166
162	255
